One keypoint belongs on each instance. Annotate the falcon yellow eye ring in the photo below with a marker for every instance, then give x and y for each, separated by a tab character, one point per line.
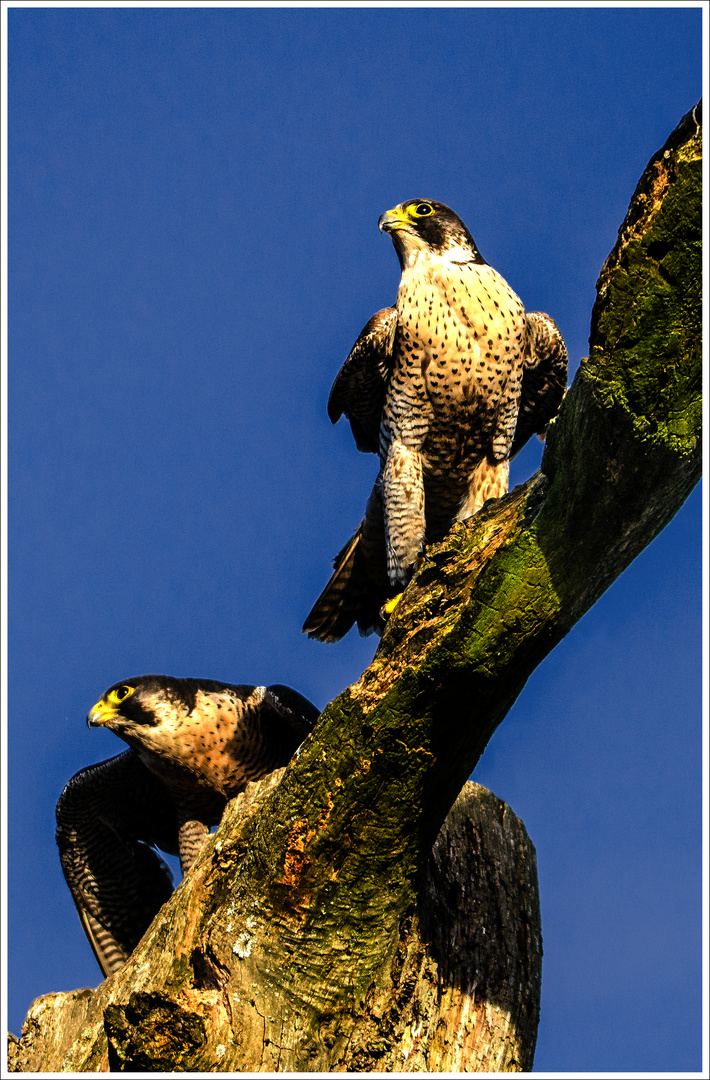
120	694
423	209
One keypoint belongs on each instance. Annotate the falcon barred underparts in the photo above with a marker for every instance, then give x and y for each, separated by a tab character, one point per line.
446	387
194	744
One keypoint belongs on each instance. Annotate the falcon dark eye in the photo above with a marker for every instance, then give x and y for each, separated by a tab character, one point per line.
423	209
120	694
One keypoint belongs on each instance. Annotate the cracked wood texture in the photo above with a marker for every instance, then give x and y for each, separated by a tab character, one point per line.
199	995
318	931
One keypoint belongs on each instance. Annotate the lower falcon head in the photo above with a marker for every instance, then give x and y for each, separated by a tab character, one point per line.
185	720
150	712
422	225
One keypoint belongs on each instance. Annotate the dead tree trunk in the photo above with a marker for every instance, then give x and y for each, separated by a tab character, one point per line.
318	931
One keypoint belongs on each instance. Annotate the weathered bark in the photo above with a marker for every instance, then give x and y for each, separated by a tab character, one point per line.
467	959
314	945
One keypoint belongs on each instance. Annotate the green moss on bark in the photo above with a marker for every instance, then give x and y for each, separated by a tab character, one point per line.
645	346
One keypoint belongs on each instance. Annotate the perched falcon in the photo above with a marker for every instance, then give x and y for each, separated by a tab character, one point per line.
446	387
194	745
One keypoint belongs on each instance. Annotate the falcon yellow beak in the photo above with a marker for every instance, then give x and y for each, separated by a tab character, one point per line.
393	219
100	714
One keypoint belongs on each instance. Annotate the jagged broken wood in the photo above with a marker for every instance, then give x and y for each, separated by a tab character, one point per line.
302	945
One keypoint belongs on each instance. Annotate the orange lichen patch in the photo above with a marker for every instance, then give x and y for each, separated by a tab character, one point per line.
300	836
295	852
325	812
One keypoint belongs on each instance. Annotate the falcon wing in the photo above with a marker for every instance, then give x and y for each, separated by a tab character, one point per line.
290	710
361	385
544	379
108	817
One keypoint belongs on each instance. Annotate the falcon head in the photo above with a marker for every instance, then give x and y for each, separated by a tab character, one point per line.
152	712
424	226
184	719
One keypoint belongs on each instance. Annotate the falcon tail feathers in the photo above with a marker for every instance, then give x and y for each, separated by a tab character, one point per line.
349	597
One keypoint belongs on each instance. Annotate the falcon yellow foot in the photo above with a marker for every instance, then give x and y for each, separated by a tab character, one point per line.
389	607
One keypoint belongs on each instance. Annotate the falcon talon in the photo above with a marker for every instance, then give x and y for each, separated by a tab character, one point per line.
445	387
389	607
194	744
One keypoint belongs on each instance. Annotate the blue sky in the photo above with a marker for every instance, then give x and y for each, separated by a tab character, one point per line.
193	249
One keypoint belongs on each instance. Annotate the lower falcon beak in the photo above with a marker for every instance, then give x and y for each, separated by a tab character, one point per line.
392	220
100	714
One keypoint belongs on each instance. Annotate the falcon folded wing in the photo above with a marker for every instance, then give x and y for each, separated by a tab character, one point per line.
544	379
360	387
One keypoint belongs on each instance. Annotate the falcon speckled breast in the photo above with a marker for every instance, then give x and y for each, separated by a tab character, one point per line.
194	744
445	387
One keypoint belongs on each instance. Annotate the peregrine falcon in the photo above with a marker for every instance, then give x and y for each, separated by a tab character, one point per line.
446	387
194	744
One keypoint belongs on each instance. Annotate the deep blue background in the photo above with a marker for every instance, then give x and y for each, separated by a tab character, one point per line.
193	205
